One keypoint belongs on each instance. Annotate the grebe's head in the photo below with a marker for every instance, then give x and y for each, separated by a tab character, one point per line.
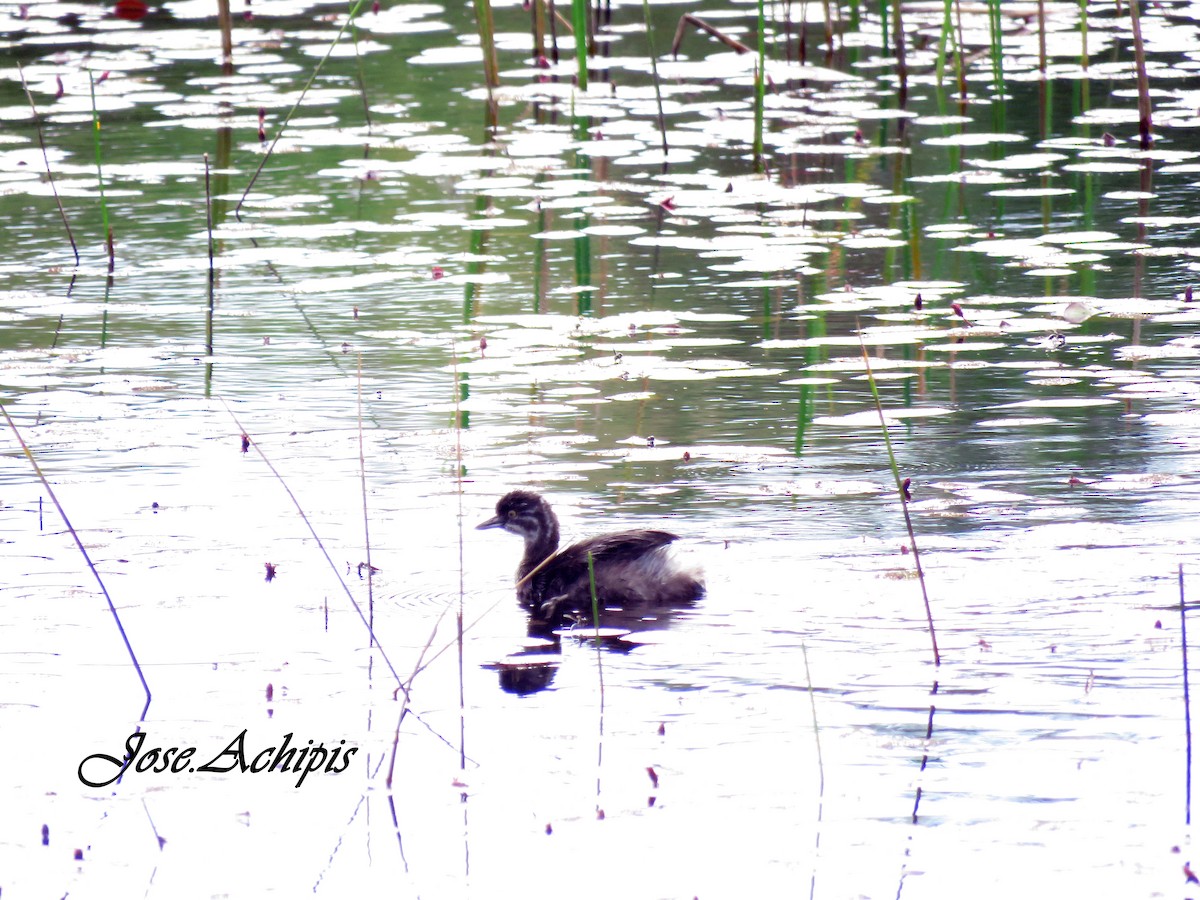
522	513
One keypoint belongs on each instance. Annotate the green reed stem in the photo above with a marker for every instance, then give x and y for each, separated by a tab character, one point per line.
359	72
943	39
108	234
995	32
583	243
579	24
912	537
539	262
477	259
486	25
212	269
760	87
83	551
1084	55
583	274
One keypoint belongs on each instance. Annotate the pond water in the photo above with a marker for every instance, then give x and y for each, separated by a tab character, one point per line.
413	314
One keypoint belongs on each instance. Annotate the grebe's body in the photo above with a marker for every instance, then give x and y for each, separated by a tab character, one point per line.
633	569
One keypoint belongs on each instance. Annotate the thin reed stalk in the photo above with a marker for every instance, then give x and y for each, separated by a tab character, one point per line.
901	63
1041	15
459	395
760	88
902	493
37	125
812	700
924	757
362	479
406	709
1084	54
426	663
960	49
359	72
943	39
212	269
996	35
583	273
108	233
1187	704
599	671
237	210
320	545
83	551
662	119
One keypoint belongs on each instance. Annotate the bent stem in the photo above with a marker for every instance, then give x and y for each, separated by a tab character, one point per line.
912	538
83	550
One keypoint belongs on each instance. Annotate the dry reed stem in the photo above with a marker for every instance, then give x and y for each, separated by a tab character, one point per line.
688	19
37	124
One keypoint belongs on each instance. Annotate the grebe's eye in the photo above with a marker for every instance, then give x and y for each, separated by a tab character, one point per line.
512	513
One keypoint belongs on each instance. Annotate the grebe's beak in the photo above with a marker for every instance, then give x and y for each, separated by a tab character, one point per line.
493	522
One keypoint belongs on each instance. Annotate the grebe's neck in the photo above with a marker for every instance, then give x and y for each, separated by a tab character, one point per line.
541	541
